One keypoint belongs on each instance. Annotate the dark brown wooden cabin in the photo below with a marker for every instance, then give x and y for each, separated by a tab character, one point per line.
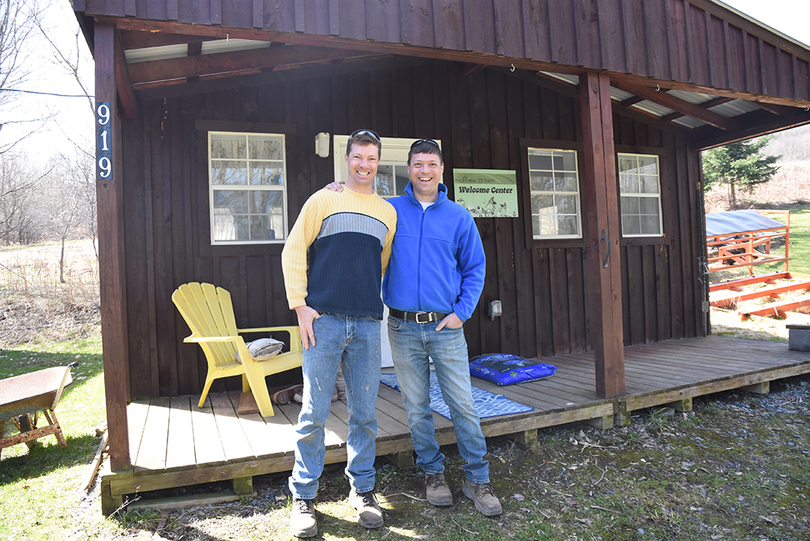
490	79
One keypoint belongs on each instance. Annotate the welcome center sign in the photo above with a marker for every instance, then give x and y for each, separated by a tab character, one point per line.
487	193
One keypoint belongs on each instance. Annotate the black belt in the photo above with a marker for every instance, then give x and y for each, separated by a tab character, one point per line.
419	317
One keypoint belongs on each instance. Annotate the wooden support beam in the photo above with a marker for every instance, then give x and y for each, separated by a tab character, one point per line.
525	438
402	460
123	84
601	423
601	216
110	196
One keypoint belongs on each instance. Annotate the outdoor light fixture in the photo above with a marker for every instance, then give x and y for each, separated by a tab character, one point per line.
322	145
494	310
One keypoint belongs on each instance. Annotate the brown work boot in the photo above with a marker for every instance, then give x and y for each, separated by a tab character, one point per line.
484	498
285	396
437	491
303	522
369	514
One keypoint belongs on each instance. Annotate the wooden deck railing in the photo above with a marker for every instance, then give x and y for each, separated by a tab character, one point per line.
748	248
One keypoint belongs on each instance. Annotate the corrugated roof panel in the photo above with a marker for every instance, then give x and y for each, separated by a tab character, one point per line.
691	97
689	122
229	45
147	54
653	108
734	108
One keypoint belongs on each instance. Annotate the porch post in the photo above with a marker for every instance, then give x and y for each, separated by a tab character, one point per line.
109	192
601	212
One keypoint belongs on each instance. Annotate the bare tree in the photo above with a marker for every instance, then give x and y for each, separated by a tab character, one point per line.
16	29
19	181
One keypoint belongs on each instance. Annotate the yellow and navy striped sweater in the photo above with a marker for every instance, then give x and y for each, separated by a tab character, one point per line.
348	237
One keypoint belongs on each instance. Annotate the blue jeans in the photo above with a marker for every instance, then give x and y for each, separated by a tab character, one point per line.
353	343
411	345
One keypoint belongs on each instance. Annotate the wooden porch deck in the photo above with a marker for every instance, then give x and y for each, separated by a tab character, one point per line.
174	443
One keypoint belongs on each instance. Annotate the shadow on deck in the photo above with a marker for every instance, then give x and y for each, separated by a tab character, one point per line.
174	443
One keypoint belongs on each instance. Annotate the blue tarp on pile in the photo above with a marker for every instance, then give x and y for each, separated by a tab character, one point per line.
737	221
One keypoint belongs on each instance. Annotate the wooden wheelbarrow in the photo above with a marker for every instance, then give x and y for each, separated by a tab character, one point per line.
27	395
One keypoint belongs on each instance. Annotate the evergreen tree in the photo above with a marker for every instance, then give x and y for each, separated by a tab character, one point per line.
739	165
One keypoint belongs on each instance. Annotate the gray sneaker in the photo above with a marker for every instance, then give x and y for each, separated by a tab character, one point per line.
303	522
369	514
484	498
437	491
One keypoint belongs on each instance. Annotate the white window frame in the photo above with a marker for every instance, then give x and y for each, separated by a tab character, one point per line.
641	193
282	188
536	234
394	153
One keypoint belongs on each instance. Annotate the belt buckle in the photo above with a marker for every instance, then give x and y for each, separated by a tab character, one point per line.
428	314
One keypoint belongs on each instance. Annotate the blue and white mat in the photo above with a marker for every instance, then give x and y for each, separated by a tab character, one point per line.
487	404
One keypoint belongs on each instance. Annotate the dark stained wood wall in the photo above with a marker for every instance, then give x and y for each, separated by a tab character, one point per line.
694	41
484	121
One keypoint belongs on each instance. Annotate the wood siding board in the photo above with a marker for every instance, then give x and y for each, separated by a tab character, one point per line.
507	288
448	24
479	26
383	21
216	11
650	298
576	299
559	300
380	103
522	257
352	19
612	36
237	13
636	295
417	22
143	375
735	57
786	73
634	45
753	74
656	29
543	302
686	246
676	39
536	29
800	78
641	130
562	33
662	292
551	114
716	47
676	236
160	273
627	325
698	238
414	101
509	40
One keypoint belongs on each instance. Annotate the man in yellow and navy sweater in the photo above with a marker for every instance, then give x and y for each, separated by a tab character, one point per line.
333	263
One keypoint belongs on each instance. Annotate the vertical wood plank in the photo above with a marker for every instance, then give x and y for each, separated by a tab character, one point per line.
602	214
536	29
111	249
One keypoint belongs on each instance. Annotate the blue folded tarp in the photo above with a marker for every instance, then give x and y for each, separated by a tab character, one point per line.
738	221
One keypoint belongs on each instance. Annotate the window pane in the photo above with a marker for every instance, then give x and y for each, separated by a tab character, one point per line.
540	202
649	184
548	224
630	205
631	225
229	173
228	145
260	228
265	147
567	225
648	165
234	201
649	205
569	161
542	182
402	178
536	226
628	183
650	225
384	181
627	164
540	161
565	183
268	173
566	204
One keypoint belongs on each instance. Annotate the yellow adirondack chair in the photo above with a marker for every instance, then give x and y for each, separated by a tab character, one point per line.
208	311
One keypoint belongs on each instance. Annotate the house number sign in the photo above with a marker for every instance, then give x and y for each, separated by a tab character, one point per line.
104	140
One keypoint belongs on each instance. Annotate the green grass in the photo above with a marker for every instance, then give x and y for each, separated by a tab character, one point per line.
40	487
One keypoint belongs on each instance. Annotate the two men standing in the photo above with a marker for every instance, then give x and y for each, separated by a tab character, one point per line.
434	281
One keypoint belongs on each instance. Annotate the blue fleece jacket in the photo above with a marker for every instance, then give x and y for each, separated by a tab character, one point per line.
437	258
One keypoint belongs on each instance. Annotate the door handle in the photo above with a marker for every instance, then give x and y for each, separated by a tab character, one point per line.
607	255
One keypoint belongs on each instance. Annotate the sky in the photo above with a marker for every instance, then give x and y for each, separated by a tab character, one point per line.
73	120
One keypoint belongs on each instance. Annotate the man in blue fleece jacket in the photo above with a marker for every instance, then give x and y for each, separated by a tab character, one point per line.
432	286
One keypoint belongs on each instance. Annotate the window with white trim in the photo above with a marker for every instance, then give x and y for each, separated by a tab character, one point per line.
554	184
247	187
392	171
640	195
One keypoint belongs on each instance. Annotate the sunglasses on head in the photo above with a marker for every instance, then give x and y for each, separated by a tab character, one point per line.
370	133
428	141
